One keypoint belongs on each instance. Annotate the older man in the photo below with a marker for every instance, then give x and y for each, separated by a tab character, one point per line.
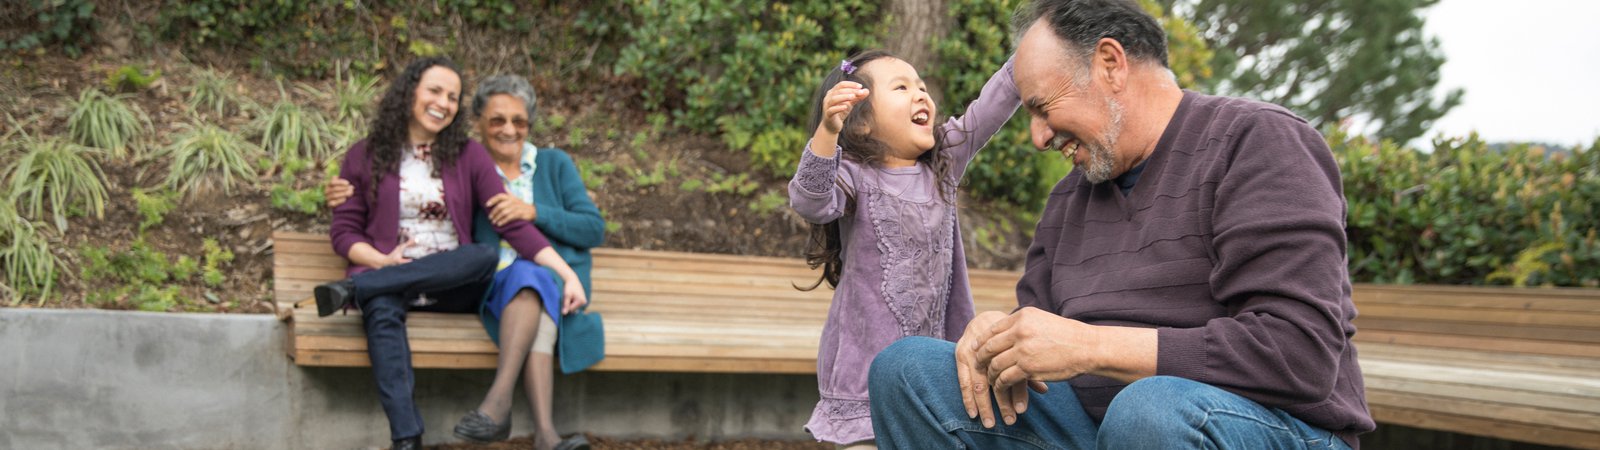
1186	286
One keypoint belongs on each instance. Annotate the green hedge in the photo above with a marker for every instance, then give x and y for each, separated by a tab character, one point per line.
743	68
1471	213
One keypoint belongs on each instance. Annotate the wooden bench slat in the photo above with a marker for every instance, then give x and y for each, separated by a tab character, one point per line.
1547	333
1483	315
1538	434
1379	398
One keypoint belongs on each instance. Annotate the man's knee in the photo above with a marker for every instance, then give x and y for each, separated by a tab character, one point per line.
1153	404
911	355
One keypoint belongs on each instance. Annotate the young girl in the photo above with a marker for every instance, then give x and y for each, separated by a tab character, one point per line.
878	183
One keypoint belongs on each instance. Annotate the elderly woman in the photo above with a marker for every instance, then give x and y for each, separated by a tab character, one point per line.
415	183
544	189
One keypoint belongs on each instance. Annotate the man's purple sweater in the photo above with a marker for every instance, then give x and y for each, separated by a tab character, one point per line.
1232	246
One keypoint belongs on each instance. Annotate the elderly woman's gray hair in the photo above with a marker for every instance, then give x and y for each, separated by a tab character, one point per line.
511	85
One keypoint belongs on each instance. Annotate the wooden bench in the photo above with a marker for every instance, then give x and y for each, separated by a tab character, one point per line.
664	312
1517	364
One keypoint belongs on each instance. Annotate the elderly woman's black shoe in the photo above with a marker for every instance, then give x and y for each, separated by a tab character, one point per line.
478	427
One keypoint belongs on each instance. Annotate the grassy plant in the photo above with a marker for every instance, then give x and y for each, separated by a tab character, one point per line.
352	97
30	268
594	174
108	122
736	184
153	207
215	257
204	155
58	172
291	130
691	185
768	202
130	78
212	91
644	179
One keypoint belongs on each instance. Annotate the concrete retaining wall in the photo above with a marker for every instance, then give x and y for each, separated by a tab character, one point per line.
115	379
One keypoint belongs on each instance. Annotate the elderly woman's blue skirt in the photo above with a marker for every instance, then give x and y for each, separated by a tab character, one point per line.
521	274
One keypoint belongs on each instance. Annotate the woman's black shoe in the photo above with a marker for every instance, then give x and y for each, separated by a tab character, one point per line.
332	296
478	427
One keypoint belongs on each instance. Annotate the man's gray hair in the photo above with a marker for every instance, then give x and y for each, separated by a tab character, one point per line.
511	85
1082	23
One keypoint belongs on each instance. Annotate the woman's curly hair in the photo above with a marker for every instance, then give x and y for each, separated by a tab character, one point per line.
391	127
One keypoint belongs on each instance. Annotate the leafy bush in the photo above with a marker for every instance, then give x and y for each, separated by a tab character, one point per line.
743	68
203	156
66	22
130	78
153	207
215	257
107	122
61	173
1471	213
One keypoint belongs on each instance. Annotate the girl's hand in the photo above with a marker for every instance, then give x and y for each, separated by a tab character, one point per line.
572	296
837	104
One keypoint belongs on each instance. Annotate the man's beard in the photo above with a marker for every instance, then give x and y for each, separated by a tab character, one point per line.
1102	159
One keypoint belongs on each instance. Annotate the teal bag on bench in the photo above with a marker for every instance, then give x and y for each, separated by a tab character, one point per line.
582	341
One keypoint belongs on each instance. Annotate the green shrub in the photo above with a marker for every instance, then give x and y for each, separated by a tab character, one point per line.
1470	213
66	22
743	68
212	91
204	156
215	257
57	172
107	122
130	78
153	207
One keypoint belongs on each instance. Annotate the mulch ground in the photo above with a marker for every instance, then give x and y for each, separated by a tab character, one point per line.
600	443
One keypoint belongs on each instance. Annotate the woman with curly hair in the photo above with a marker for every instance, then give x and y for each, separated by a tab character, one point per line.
407	229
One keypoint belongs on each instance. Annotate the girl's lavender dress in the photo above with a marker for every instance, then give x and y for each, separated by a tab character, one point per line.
905	271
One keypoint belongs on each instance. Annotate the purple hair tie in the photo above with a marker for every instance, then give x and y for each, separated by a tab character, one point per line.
846	67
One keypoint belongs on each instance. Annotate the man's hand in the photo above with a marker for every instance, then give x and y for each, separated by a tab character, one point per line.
337	191
973	376
504	208
1032	345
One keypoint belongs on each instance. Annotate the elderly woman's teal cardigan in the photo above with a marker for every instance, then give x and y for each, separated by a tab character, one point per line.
568	218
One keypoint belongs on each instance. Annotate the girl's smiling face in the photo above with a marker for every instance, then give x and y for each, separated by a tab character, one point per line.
902	111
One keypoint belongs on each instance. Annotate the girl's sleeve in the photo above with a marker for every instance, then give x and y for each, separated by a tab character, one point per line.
984	116
576	221
816	192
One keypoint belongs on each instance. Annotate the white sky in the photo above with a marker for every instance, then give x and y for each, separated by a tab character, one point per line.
1530	68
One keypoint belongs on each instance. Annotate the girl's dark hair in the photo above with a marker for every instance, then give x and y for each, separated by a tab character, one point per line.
390	128
825	249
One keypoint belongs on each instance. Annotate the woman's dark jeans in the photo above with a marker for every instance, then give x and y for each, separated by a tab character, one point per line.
456	279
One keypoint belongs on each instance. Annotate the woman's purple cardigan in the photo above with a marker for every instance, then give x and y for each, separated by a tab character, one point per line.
467	185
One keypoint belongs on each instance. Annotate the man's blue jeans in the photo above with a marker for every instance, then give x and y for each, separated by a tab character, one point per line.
457	279
916	404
